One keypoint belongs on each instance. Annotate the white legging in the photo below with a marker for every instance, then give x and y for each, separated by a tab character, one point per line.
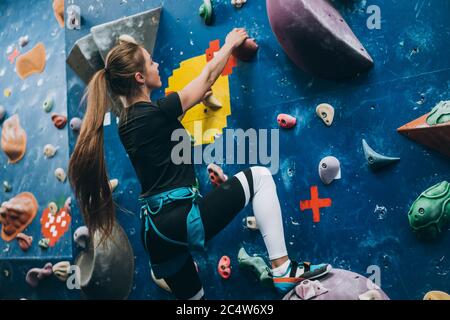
266	208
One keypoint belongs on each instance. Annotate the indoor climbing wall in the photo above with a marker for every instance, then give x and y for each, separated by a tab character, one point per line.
35	152
367	221
362	221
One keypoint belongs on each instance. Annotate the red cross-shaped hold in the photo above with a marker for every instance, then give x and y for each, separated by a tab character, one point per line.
315	203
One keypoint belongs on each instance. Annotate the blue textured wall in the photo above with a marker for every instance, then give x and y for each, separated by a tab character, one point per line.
34	173
411	64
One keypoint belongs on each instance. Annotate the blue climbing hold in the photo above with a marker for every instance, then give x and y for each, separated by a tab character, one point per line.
374	159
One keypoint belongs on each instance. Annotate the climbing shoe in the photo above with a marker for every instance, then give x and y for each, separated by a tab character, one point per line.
257	265
296	273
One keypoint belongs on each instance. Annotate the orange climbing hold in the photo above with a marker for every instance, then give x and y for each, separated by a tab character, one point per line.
315	204
31	62
14	139
58	11
16	214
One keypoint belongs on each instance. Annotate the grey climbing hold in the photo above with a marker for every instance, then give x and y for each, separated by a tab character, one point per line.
143	27
107	267
257	265
84	58
329	169
374	159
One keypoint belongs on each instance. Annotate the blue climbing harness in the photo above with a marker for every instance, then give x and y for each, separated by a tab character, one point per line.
151	206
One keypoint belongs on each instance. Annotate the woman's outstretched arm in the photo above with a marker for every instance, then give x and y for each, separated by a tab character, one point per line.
194	92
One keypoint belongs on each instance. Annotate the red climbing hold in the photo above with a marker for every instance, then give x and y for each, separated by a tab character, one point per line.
59	120
315	204
214	46
224	267
286	121
216	175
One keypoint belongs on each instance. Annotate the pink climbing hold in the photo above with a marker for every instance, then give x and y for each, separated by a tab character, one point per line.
224	267
286	121
13	56
59	120
37	274
247	50
216	175
24	241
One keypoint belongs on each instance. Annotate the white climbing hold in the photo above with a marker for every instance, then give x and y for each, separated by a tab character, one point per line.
127	38
49	151
23	41
53	208
325	112
161	283
81	236
309	289
329	169
238	3
61	270
60	174
371	295
211	101
73	17
113	183
250	223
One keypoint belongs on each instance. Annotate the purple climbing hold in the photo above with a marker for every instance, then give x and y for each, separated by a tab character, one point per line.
75	124
247	50
317	39
339	284
36	274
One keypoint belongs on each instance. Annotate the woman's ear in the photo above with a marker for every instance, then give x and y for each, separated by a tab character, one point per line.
139	77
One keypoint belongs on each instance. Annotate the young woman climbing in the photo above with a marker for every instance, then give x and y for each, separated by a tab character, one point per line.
175	219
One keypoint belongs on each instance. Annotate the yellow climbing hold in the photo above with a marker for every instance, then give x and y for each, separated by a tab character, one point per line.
7	92
31	62
436	295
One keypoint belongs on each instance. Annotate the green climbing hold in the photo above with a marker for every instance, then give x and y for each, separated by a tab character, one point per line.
44	243
48	104
257	265
206	11
430	213
440	113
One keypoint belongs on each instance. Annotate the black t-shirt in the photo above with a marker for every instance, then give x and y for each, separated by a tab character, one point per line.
145	131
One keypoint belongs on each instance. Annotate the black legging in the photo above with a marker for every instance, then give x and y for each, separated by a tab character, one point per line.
217	210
